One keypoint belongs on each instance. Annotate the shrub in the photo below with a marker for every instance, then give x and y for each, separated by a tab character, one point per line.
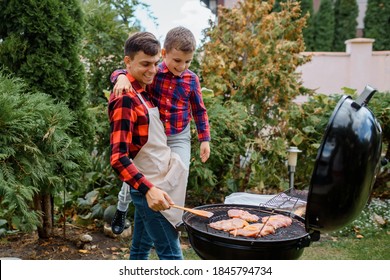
37	154
308	123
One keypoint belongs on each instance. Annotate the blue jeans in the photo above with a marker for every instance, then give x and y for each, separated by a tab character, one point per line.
151	228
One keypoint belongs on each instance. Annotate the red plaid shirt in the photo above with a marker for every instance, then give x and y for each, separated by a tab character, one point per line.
178	99
129	125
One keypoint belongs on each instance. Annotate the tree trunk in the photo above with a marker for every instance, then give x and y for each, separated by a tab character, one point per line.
43	204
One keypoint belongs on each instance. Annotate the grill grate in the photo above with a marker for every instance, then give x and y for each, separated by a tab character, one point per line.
291	200
296	230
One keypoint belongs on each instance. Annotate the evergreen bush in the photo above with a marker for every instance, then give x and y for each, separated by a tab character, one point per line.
377	23
41	44
324	23
37	153
346	12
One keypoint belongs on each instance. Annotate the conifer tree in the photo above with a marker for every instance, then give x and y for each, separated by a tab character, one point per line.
37	155
40	42
377	23
346	12
324	27
308	31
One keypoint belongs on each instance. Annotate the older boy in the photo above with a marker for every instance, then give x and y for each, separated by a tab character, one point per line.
176	92
141	157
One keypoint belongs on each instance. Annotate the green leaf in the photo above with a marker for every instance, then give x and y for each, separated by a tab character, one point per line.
309	129
297	139
3	222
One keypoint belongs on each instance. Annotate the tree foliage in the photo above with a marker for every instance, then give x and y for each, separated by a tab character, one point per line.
346	12
307	10
41	44
38	157
261	69
324	27
105	31
377	23
250	57
308	31
228	120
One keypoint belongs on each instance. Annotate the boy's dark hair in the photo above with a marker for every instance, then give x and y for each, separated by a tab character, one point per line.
142	41
180	38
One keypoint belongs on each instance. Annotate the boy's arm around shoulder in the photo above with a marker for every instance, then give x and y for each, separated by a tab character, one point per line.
114	75
121	82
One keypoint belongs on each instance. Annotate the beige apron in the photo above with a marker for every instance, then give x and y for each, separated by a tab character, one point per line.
162	167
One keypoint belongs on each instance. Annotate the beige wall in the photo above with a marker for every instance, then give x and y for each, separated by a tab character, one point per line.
230	3
358	66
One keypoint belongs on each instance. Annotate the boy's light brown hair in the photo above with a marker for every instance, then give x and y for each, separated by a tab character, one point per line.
181	39
142	41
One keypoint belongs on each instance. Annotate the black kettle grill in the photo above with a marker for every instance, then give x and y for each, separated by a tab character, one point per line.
344	173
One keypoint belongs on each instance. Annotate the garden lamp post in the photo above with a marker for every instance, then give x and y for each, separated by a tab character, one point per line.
292	163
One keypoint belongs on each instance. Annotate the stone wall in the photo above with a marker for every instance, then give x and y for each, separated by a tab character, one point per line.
329	72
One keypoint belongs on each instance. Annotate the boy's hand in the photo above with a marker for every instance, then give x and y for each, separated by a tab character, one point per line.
122	84
204	151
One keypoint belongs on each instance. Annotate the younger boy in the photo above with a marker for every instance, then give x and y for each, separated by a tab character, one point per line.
176	91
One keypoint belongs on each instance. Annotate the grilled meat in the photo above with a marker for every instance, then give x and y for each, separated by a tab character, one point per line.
228	225
277	221
245	215
239	224
254	230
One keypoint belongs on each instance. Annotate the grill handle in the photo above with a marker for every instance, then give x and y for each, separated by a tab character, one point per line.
365	96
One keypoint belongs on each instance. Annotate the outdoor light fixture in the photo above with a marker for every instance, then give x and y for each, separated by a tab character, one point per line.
292	163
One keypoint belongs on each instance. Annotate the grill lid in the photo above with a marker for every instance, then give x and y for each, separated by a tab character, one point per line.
346	165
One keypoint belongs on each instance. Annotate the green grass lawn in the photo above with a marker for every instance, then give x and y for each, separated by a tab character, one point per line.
375	247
